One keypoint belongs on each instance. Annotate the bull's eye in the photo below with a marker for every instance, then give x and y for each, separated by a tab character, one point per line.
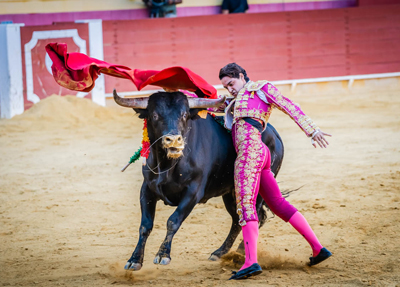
155	116
185	115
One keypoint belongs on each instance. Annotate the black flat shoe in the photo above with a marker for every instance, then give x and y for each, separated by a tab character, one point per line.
252	270
322	255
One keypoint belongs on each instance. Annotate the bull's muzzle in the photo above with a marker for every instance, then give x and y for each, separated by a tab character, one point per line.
174	144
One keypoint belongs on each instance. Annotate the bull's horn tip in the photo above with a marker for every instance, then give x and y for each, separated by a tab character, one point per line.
116	96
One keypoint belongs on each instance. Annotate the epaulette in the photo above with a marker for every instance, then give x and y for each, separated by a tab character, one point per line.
255	86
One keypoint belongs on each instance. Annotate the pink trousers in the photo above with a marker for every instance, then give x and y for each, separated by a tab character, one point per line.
253	175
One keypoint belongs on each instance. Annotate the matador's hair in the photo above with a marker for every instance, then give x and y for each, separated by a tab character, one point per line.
233	70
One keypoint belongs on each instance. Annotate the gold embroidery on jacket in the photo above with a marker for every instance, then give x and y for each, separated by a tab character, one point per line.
241	104
291	109
255	86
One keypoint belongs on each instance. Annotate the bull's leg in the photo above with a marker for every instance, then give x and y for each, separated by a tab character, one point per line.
240	248
230	205
148	209
188	202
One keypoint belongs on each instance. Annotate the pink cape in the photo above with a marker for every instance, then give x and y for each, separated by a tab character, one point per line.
78	72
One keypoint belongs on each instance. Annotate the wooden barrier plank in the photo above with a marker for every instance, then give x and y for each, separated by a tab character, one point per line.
374	35
318	61
373	46
374	57
367	68
319	72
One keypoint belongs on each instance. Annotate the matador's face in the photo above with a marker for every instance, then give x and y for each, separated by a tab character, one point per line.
233	85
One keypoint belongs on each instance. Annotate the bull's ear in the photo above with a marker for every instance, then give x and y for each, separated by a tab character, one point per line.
193	114
143	113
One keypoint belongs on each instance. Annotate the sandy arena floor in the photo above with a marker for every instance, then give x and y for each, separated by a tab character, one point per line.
68	216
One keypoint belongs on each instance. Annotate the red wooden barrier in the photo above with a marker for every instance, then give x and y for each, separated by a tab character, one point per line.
273	46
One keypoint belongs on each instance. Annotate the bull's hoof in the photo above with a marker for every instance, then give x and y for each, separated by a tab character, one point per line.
214	257
162	261
133	266
165	261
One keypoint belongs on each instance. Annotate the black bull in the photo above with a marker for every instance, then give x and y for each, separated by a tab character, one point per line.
191	160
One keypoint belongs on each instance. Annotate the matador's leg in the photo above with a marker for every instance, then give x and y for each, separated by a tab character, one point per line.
251	158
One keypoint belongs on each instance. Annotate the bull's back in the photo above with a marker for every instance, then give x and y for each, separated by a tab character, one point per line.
275	145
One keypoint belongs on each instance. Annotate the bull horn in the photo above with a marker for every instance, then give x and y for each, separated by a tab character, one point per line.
135	103
200	103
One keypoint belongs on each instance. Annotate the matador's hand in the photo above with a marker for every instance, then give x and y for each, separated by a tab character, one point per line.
319	138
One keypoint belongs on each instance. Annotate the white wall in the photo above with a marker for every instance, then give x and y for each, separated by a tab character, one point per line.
11	88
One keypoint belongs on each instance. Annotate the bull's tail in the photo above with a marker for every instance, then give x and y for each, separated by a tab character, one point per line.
286	193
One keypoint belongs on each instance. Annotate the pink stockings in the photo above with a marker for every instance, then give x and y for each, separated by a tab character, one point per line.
299	222
270	192
250	236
